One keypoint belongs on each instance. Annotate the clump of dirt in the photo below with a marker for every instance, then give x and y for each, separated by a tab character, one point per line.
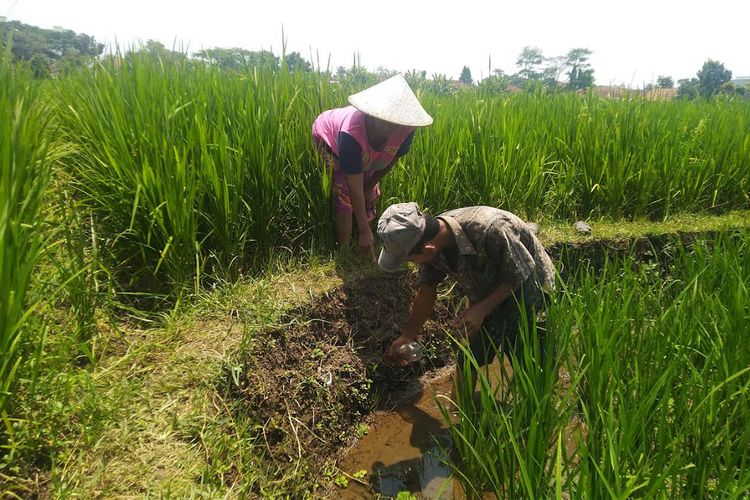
311	380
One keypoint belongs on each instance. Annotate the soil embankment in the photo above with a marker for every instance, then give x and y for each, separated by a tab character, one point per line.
312	379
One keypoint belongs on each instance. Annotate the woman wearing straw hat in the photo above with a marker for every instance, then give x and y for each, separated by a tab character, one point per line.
361	143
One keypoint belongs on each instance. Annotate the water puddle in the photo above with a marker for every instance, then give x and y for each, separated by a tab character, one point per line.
405	450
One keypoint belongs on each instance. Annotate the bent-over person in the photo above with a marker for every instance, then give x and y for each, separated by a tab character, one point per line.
495	259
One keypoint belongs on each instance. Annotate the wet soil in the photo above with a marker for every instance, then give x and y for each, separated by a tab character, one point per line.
310	381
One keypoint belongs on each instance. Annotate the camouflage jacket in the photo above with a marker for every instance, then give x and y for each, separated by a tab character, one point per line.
494	247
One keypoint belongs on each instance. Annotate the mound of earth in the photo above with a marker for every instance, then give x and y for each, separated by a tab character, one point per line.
311	380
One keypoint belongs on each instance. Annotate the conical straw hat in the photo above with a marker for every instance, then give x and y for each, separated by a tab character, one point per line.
393	101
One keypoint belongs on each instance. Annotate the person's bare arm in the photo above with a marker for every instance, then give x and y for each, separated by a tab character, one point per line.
357	194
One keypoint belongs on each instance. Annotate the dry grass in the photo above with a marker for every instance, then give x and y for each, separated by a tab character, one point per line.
167	385
555	233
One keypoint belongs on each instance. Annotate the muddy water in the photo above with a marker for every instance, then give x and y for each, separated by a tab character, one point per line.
405	450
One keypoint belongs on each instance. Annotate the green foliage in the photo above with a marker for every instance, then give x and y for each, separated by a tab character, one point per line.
713	79
356	77
295	62
341	481
415	78
384	73
529	60
192	172
360	474
567	157
581	79
49	50
688	88
466	76
25	165
81	275
664	82
405	495
159	52
534	67
712	76
439	84
494	85
657	396
361	430
581	75
238	59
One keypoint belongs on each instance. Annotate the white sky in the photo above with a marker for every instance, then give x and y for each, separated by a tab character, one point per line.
633	41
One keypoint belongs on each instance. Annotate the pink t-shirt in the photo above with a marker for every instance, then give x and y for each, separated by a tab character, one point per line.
350	120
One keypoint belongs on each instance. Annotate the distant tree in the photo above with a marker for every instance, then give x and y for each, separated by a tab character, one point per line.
40	66
295	62
466	76
581	76
49	50
688	88
238	59
664	82
712	76
529	61
494	84
262	59
357	76
742	91
223	58
553	69
157	50
415	78
439	84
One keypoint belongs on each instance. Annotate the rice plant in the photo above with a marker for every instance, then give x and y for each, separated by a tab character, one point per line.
194	174
564	156
657	404
191	171
25	163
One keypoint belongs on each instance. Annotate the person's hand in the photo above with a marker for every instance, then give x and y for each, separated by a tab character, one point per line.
391	354
470	320
366	244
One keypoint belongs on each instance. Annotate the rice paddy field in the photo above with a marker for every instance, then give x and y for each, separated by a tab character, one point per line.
165	241
654	402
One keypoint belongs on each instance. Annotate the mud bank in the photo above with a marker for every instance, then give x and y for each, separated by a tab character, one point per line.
312	380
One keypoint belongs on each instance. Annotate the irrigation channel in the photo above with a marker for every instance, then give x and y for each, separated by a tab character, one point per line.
405	449
321	375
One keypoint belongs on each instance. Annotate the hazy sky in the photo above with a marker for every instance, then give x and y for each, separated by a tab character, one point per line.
633	41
